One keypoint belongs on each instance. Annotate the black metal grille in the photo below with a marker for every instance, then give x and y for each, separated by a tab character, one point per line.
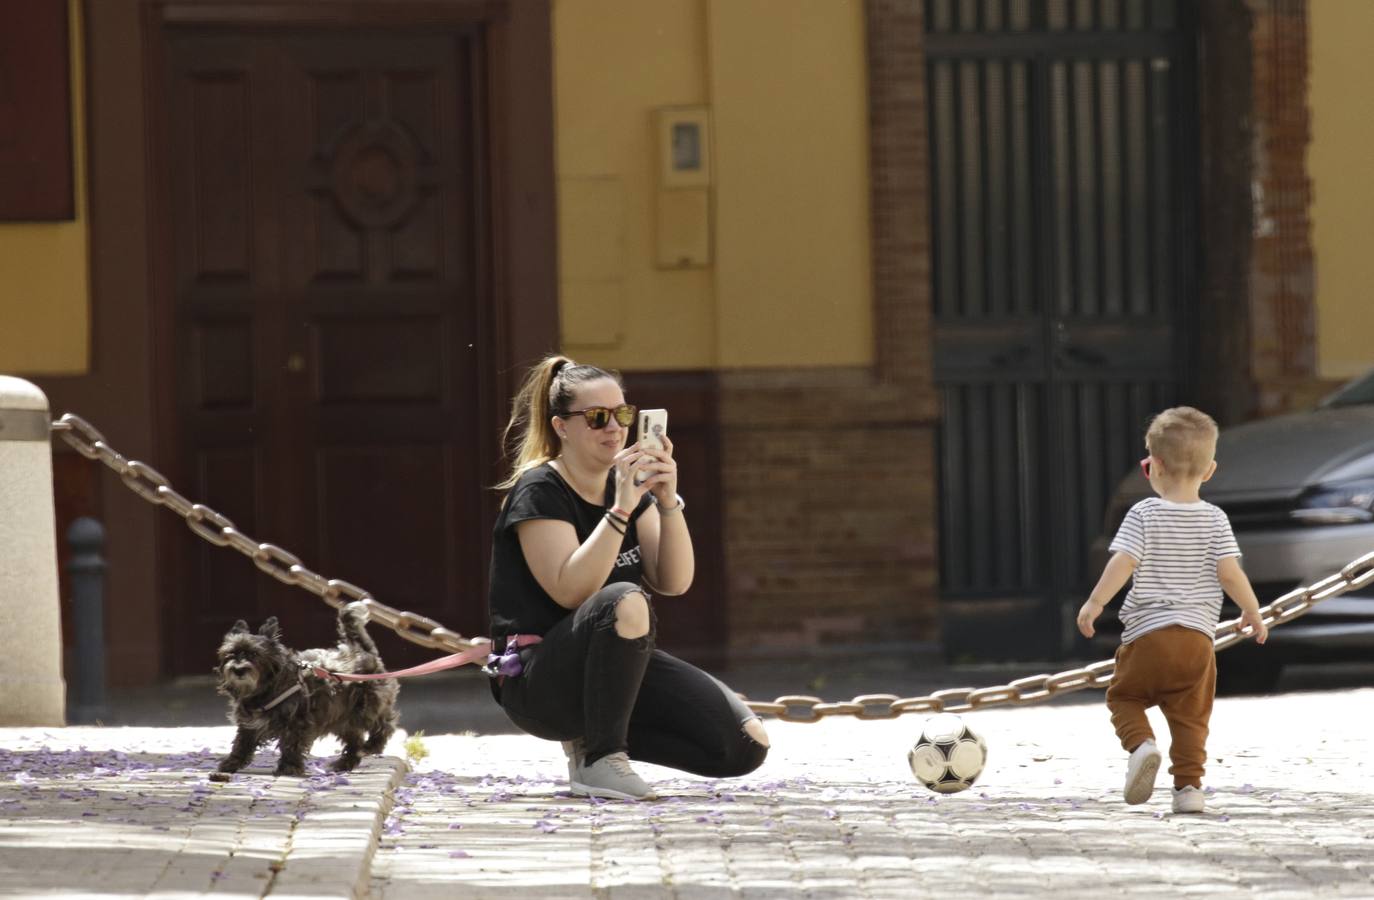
1062	187
1003	16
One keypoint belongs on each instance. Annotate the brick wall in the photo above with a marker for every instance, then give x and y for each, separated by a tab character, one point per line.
1283	317
1256	318
829	475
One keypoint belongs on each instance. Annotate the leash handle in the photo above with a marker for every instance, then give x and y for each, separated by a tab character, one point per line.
479	651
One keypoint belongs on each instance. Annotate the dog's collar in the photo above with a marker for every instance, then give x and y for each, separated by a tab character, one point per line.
280	697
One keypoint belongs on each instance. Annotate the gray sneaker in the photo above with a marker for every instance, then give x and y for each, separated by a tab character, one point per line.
574	750
611	777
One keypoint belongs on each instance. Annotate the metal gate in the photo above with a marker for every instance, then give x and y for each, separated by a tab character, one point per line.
1063	167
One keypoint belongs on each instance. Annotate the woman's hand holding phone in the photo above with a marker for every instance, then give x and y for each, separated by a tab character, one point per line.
658	470
648	464
663	480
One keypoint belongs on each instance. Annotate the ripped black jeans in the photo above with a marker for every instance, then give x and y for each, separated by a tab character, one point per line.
620	694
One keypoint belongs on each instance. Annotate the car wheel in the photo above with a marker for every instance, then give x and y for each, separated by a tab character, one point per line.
1247	673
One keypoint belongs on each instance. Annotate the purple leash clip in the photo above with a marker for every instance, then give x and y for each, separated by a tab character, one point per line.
508	664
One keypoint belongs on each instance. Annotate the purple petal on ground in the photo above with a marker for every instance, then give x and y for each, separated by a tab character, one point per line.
832	814
1159	815
1225	818
546	826
459	854
1245	789
454	826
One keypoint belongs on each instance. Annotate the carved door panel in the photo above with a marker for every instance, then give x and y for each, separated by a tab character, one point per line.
325	239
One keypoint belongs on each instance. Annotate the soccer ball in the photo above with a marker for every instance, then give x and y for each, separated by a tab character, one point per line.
948	756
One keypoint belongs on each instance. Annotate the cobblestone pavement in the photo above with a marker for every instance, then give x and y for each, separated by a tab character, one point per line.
833	813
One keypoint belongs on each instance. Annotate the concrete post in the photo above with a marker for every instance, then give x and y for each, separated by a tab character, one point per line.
32	691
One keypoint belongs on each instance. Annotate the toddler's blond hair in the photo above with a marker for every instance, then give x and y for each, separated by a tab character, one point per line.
1184	439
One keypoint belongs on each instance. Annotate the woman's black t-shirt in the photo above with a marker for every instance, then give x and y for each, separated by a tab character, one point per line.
518	605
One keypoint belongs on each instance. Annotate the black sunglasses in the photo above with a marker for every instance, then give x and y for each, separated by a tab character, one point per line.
599	417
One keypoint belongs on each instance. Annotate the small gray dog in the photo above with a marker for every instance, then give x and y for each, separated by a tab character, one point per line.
273	695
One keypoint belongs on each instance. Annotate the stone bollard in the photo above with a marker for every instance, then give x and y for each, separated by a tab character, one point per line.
32	691
86	575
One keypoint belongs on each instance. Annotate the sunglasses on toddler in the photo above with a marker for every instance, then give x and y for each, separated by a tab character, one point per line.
598	417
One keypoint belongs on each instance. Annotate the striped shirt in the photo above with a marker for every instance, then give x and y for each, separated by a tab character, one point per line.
1176	547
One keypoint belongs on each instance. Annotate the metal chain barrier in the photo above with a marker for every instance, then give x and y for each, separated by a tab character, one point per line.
152	486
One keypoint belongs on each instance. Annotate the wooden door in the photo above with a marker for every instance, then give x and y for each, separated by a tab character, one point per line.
1063	224
326	256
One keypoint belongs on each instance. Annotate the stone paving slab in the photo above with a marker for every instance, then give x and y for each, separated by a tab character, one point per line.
835	813
103	812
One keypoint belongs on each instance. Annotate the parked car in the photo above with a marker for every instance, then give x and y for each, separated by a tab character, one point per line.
1299	490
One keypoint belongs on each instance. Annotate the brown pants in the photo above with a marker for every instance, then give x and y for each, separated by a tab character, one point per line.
1174	668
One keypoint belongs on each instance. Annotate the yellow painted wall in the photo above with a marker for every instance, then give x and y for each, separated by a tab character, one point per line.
790	98
45	270
785	82
1341	33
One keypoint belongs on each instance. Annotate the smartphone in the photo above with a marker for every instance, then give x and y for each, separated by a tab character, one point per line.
653	425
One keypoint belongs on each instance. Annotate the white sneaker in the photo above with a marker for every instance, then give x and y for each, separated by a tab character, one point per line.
574	750
1140	773
611	777
1189	799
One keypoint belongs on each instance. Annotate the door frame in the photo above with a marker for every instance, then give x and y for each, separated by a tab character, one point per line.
516	252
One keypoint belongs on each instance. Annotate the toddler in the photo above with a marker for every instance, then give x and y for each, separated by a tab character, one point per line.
1179	553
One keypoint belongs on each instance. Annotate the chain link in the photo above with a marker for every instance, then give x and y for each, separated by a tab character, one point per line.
152	486
218	529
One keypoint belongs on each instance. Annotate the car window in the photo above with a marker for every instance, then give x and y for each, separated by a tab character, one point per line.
1357	392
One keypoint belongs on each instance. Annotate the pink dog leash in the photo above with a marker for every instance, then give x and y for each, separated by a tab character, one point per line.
475	653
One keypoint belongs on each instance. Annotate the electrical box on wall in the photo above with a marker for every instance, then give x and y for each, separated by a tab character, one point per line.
683	215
